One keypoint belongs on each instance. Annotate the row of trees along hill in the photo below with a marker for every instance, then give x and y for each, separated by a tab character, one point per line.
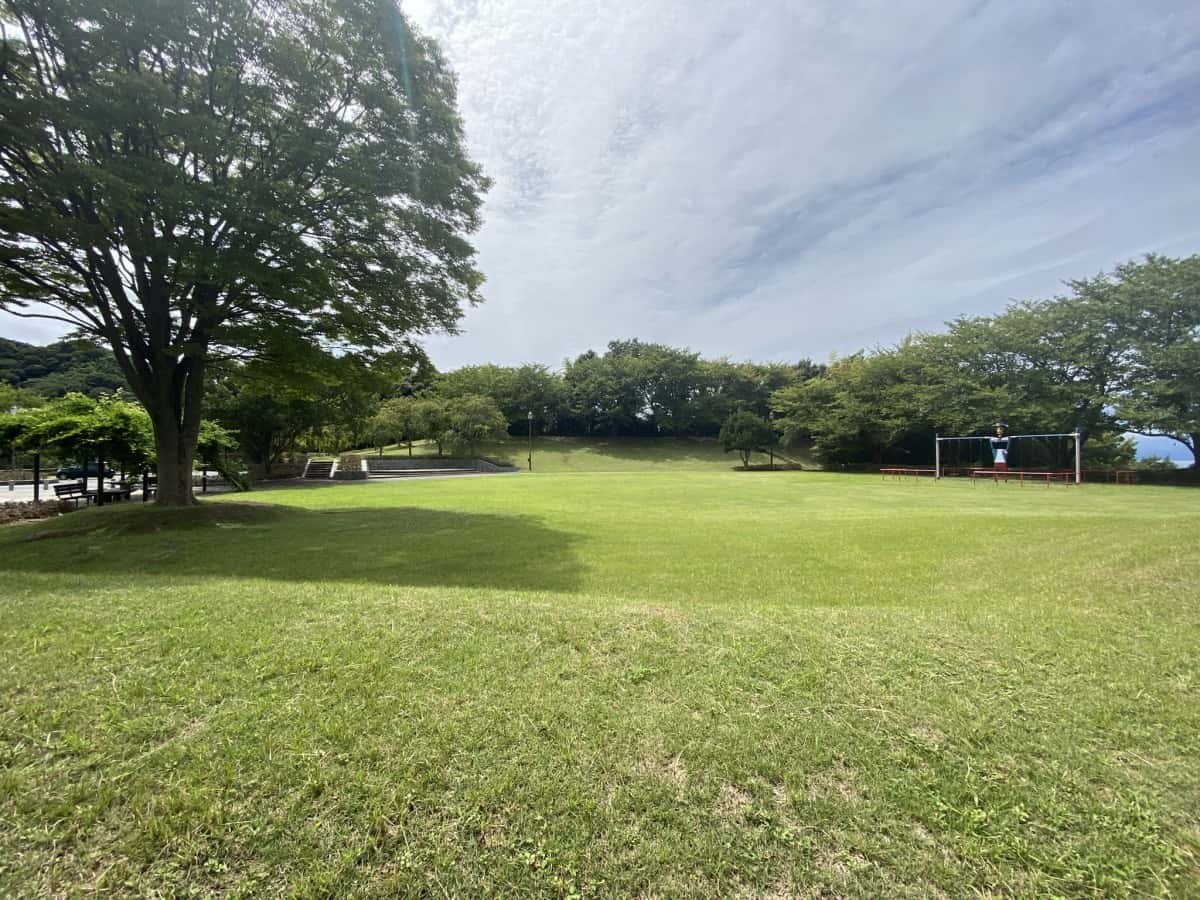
1116	353
632	388
193	182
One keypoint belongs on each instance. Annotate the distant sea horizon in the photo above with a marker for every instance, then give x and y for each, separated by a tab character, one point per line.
1162	447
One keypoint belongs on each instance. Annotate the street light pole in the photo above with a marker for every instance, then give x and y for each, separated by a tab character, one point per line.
12	471
530	460
771	446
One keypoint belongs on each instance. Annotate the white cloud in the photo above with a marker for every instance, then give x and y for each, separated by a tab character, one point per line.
784	179
781	179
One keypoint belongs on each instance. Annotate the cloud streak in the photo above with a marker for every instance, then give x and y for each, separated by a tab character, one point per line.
777	180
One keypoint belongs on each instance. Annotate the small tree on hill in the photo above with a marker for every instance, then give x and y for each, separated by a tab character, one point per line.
746	433
472	420
399	420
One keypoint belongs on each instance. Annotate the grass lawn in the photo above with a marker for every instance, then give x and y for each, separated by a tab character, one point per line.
618	454
696	683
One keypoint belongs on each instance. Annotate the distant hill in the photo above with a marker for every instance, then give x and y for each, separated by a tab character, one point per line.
59	368
614	454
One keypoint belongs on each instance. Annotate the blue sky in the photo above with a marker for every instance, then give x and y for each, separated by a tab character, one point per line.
773	180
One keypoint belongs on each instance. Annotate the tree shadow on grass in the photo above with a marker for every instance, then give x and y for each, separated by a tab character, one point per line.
391	546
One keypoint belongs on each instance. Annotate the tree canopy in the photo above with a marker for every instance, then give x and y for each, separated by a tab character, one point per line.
190	181
1119	352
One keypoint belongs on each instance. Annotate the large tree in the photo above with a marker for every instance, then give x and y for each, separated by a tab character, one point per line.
1158	300
190	180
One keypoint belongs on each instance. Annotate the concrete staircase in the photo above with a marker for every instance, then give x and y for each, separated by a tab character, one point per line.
318	468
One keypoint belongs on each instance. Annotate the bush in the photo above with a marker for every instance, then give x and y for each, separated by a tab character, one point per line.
1156	464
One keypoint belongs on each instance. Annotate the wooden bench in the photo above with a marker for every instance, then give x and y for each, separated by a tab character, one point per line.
1066	476
900	471
72	490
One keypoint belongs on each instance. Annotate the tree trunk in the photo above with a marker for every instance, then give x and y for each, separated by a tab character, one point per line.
1196	451
175	458
175	416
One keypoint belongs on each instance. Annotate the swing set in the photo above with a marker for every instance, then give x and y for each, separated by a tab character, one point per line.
1051	457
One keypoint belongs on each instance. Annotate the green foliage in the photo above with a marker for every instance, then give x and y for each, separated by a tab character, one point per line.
399	420
746	433
268	413
80	427
644	388
16	397
516	391
63	367
1161	299
470	421
1120	352
1156	464
181	180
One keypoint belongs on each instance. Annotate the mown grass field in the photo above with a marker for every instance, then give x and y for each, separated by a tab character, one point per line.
668	684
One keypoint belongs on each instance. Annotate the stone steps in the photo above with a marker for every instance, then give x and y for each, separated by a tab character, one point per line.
319	468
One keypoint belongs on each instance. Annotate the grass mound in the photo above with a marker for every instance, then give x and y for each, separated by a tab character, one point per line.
147	518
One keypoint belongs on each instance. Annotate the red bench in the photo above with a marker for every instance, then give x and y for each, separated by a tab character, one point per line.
901	471
1067	476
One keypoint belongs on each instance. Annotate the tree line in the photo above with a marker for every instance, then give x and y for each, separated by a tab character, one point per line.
1116	353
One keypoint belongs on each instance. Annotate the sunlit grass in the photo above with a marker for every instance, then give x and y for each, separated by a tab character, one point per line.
689	683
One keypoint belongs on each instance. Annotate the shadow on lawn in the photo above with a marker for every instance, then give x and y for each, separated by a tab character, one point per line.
400	546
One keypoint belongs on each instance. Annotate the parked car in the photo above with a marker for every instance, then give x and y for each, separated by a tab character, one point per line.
75	470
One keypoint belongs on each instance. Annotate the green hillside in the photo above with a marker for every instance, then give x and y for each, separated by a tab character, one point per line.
618	454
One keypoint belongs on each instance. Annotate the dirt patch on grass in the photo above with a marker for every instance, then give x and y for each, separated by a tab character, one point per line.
148	519
732	803
839	783
672	770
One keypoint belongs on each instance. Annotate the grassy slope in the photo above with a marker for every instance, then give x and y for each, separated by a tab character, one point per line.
692	684
621	454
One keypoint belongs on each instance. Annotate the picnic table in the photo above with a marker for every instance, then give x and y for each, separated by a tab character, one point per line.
900	471
1066	475
112	493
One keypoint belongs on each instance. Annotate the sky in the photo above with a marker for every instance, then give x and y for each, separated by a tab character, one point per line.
773	180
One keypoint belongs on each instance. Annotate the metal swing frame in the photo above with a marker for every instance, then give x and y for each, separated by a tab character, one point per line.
939	440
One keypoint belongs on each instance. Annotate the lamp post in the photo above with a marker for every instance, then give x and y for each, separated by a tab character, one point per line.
529	416
12	471
771	446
